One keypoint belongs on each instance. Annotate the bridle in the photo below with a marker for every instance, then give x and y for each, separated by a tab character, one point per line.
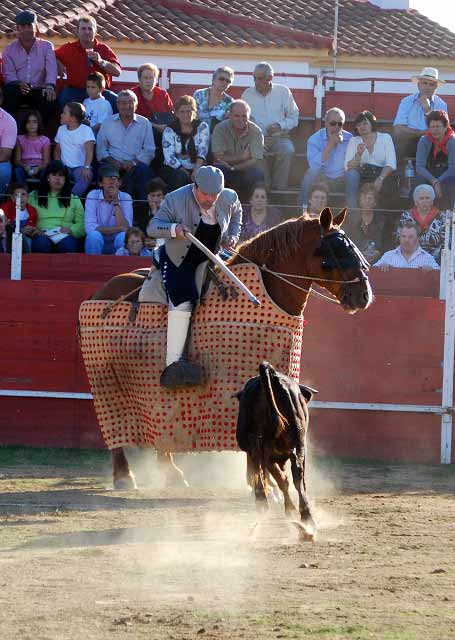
352	258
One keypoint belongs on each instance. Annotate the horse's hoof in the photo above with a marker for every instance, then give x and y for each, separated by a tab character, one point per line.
261	504
126	483
176	481
307	532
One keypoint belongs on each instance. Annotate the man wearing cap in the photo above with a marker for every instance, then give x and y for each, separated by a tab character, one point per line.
29	69
108	214
410	120
214	215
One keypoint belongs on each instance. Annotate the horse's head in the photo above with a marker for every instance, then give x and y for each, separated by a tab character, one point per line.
342	267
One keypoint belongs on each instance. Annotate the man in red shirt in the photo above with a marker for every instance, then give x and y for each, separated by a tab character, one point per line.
80	58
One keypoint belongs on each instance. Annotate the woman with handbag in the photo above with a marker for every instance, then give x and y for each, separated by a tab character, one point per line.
370	157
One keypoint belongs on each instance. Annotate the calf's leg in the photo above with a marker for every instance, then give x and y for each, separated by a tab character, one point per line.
298	475
123	477
280	477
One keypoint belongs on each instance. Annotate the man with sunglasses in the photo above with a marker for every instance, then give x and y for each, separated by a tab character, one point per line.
325	153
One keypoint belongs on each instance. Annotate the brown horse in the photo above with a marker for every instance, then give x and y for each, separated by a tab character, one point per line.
292	256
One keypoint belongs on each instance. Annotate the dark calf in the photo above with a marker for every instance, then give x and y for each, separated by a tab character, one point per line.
271	428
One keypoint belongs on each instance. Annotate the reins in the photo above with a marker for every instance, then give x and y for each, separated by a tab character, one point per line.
285	278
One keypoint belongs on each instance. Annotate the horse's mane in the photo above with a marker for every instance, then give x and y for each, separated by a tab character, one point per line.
284	240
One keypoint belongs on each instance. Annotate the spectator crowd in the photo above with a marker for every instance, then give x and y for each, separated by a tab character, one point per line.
94	182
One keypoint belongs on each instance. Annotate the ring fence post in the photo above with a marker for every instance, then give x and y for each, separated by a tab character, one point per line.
448	293
16	247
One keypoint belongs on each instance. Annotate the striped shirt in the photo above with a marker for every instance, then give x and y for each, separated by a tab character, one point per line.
419	259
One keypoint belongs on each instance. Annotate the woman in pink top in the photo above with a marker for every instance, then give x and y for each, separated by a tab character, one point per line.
33	150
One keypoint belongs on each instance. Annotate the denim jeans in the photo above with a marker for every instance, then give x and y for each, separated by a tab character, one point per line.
5	177
97	243
42	244
81	184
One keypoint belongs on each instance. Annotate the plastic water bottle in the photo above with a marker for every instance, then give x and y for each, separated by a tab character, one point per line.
409	174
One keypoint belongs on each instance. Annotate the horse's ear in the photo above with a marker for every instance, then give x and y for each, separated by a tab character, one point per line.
326	219
340	218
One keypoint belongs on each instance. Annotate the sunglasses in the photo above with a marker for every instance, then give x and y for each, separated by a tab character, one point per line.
335	123
224	79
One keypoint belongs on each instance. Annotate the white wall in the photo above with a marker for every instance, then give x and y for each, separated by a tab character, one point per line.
405	87
281	66
210	64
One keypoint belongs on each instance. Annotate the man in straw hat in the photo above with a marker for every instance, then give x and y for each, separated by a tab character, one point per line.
214	215
410	122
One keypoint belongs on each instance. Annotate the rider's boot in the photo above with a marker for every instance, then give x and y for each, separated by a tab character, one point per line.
179	372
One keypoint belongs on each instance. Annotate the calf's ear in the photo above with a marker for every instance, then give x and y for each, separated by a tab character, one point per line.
340	218
307	392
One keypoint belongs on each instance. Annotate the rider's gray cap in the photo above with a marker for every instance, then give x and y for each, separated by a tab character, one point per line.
210	180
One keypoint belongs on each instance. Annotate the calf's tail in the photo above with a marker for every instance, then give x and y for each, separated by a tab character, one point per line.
277	419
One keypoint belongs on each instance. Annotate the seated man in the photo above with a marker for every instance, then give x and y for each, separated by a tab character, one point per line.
274	109
125	140
108	214
409	254
238	147
326	150
410	120
8	136
29	69
214	215
82	57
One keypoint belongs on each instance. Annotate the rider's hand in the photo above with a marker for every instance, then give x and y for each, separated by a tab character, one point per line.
180	231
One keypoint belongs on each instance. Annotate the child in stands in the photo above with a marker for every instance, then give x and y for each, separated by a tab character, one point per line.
27	215
96	106
134	244
156	190
75	146
32	152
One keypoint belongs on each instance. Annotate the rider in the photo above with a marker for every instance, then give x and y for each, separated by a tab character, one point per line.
214	215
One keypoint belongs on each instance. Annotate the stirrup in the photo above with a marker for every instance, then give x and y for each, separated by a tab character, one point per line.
182	374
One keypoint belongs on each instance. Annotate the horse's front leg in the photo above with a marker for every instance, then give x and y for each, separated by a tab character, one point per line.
307	526
123	477
173	474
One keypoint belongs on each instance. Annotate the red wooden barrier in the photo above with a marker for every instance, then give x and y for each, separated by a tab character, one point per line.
391	353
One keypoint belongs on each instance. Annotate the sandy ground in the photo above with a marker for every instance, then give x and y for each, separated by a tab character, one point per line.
79	561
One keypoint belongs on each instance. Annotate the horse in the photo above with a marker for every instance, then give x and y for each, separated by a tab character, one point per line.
291	257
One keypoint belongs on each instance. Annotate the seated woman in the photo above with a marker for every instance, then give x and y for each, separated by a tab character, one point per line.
153	102
318	197
365	227
185	145
435	160
258	215
429	221
213	102
60	213
370	157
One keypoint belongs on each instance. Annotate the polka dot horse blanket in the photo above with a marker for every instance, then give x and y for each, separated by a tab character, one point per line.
124	359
